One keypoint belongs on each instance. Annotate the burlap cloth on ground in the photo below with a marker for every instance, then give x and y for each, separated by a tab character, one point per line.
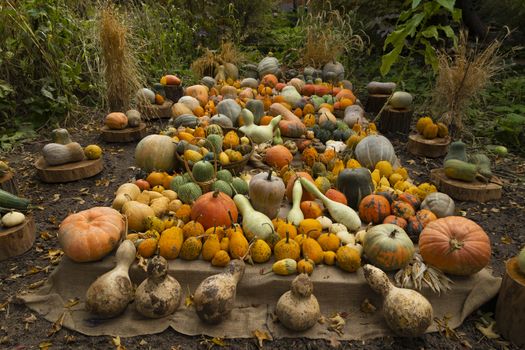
257	294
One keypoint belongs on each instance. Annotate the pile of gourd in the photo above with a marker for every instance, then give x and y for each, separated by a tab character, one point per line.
426	127
119	120
460	166
63	150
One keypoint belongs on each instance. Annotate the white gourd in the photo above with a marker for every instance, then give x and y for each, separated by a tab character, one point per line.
258	133
13	218
295	215
254	223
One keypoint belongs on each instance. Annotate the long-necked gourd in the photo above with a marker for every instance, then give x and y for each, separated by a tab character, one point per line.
111	293
214	298
254	223
341	213
258	133
406	312
295	215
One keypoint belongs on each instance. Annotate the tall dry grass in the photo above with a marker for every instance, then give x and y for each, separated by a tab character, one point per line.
462	76
210	60
120	69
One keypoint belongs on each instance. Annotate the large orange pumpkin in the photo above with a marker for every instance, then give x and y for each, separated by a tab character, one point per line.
455	245
91	234
278	156
307	196
211	209
374	208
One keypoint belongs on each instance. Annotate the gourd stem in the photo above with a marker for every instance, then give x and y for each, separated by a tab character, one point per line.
455	245
393	234
216	193
287	237
269	178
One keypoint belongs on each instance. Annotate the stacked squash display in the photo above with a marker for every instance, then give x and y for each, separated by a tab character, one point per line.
63	150
430	130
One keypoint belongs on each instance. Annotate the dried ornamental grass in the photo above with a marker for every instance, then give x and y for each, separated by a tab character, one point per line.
121	73
462	77
208	63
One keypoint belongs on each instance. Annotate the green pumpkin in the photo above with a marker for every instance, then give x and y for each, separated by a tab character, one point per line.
189	192
178	181
318	169
216	141
224	175
222	186
213	129
203	171
355	184
388	247
239	185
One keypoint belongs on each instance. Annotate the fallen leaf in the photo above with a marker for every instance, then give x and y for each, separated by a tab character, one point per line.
70	339
261	337
336	324
488	331
72	302
142	342
188	301
56	197
57	325
117	343
506	239
30	319
37	284
80	200
218	341
33	270
45	345
45	235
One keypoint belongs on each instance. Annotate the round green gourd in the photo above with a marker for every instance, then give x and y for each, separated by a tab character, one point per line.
216	143
213	129
203	171
401	99
189	192
177	181
224	175
240	185
222	186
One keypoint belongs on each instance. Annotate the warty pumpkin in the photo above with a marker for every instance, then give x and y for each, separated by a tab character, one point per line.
221	259
348	259
455	245
191	248
287	248
170	242
91	234
374	208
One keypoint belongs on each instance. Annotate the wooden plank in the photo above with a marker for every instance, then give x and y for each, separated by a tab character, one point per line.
68	172
124	135
510	308
475	191
17	240
435	148
8	183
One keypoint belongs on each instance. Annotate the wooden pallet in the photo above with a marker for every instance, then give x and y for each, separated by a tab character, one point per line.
68	172
475	191
124	135
17	240
435	148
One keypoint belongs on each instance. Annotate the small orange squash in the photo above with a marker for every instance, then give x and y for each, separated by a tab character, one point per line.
311	209
116	120
278	156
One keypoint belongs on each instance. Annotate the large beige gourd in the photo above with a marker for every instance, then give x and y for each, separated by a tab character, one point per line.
214	298
298	309
111	293
57	154
158	295
406	312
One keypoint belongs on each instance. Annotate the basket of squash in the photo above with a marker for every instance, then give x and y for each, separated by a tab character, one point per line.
229	148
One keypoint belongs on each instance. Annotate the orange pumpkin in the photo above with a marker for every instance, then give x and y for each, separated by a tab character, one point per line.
311	209
455	245
307	196
116	121
409	198
425	216
402	209
269	80
156	178
345	94
143	184
265	120
214	209
308	90
374	208
396	220
336	195
200	92
278	156
91	234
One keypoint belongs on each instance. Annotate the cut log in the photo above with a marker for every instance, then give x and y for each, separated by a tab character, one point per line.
124	135
395	120
68	172
173	92
8	183
17	240
419	146
475	191
374	103
151	111
510	308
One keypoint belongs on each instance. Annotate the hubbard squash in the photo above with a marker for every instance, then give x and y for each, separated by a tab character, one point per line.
388	247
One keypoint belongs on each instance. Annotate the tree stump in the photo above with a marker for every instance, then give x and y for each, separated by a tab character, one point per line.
17	240
375	102
510	308
68	172
152	111
434	148
173	92
124	135
8	183
395	120
475	191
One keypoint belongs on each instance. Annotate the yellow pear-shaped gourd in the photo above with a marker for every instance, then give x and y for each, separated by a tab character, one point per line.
313	250
305	265
211	247
287	248
221	259
329	242
191	248
170	242
238	245
260	251
225	243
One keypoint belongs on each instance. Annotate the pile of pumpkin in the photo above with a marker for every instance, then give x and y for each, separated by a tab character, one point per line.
62	150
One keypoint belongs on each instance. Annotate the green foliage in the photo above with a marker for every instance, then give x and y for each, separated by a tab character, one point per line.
416	23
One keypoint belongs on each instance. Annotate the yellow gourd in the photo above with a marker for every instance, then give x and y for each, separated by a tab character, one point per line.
147	247
422	124
425	189
225	243
210	247
285	267
376	176
223	158
231	140
329	242
339	165
191	155
191	248
394	178
353	164
154	223
305	266
192	229
385	168
310	227
170	242
322	184
442	130
217	230
183	213
348	258
313	250
329	258
260	251
300	239
287	248
284	228
221	259
430	131
238	245
403	172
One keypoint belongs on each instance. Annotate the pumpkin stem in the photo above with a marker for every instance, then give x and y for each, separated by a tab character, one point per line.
393	234
269	178
216	193
287	237
455	245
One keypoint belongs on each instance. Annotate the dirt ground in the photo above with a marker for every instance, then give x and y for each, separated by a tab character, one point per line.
503	220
